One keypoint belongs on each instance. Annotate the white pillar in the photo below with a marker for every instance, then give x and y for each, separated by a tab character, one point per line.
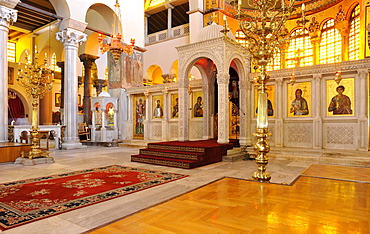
278	112
7	15
71	39
169	21
206	110
363	125
93	128
223	107
166	107
129	123
103	130
317	116
115	123
195	23
183	111
243	99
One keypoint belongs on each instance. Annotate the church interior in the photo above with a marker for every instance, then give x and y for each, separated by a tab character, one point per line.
261	107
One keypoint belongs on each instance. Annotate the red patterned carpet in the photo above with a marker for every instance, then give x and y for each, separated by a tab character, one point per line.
29	200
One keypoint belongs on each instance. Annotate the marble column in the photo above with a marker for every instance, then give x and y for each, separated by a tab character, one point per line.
103	130
7	16
223	107
71	38
129	123
183	108
278	112
362	96
87	60
148	107
317	119
243	98
166	107
207	122
169	19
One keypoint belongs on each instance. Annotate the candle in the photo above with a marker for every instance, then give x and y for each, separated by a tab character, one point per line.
303	7
239	4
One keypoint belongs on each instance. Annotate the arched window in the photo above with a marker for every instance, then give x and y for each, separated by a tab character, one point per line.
354	34
300	52
53	64
275	62
331	44
240	38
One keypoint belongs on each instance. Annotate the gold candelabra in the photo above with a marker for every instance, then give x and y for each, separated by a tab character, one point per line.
115	43
265	32
37	80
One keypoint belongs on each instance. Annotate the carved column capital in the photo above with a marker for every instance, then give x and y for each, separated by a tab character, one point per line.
71	37
7	16
223	78
363	73
279	81
317	77
88	60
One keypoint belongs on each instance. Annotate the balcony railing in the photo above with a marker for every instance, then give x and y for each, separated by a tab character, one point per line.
178	31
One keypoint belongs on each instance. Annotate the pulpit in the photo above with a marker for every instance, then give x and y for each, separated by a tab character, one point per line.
104	110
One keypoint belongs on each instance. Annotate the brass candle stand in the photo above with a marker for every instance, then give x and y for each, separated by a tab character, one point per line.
37	80
263	23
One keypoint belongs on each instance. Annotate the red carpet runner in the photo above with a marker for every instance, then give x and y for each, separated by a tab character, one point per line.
29	200
183	154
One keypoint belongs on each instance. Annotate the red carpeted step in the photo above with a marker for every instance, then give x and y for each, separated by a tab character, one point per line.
180	153
173	154
181	163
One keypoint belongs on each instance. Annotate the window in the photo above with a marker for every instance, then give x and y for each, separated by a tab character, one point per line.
53	64
154	3
11	52
331	44
240	38
300	52
354	34
274	63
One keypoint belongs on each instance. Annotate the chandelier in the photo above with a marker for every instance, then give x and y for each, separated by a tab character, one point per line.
263	25
114	43
37	80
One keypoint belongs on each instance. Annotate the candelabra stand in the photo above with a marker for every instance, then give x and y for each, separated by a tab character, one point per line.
264	28
37	80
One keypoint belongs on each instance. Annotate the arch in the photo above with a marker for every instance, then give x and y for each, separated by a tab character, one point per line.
154	74
23	110
175	69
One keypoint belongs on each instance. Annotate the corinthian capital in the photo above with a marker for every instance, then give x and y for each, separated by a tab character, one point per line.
7	16
71	37
223	78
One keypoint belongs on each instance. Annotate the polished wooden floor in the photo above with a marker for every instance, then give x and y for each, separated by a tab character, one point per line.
324	199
